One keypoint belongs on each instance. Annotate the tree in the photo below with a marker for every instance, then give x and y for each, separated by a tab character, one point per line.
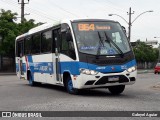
145	53
9	30
26	26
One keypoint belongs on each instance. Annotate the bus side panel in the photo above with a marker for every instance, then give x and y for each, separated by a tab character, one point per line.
21	67
69	65
41	67
17	67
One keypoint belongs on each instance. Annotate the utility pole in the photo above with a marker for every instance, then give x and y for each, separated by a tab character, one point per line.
22	9
129	24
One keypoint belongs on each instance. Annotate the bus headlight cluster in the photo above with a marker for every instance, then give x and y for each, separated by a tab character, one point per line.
131	69
88	72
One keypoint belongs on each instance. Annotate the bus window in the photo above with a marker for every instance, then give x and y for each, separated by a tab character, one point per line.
28	44
36	44
64	46
46	45
56	40
67	46
20	48
119	41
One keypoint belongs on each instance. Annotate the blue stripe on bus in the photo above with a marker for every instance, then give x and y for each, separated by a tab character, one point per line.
40	67
30	63
112	68
73	67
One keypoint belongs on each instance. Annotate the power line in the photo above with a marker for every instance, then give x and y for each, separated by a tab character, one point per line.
40	13
103	7
114	6
34	11
62	8
109	5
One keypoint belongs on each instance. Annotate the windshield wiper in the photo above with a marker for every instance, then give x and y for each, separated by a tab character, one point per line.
99	46
109	40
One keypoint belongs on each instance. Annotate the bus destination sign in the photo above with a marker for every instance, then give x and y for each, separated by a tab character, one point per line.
92	27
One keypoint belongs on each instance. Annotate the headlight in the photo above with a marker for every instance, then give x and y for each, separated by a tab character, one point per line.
131	69
88	72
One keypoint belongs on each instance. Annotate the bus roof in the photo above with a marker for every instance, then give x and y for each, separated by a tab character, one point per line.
37	29
49	25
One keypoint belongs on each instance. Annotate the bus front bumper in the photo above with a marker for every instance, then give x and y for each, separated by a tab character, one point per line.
101	80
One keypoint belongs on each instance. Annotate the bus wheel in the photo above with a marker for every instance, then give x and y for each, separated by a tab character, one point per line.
69	86
116	89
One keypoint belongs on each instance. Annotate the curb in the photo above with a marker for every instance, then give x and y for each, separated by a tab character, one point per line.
1	74
145	71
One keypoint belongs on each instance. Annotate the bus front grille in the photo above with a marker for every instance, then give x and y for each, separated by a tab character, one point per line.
104	80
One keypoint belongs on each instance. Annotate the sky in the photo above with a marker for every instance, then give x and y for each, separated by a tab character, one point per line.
145	27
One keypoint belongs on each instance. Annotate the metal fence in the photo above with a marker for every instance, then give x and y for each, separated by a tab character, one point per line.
146	65
7	64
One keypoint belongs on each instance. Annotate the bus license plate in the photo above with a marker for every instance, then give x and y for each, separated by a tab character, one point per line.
114	78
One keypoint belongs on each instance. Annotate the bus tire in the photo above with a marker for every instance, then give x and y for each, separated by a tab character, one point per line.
115	90
69	86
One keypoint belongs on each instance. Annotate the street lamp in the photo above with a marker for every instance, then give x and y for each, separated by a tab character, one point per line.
159	50
130	22
141	14
118	16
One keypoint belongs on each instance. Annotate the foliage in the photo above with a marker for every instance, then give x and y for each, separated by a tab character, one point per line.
145	53
9	30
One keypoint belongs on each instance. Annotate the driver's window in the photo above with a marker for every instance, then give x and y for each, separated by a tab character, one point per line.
119	41
116	37
67	46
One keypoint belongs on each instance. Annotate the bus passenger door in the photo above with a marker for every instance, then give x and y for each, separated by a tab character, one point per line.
20	51
56	59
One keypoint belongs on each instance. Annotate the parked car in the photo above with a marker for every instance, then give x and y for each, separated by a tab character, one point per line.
157	68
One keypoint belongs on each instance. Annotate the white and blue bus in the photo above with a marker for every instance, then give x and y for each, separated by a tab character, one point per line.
77	54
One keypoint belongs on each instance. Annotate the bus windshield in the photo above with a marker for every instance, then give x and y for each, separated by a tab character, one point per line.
100	38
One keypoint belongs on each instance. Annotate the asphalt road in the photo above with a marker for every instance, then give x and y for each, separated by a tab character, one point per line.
17	95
